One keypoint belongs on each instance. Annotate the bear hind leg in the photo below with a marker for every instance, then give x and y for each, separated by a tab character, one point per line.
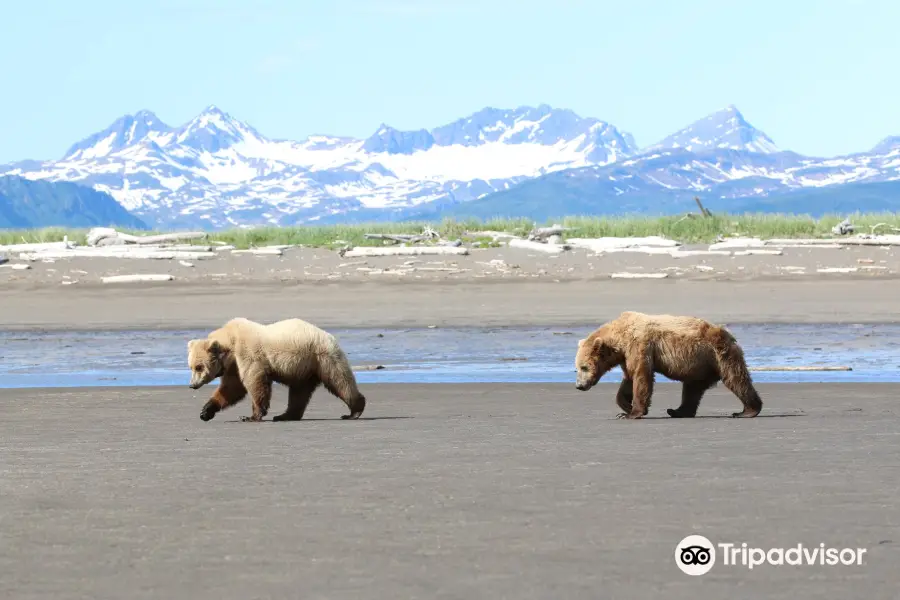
337	377
351	396
299	395
736	377
691	395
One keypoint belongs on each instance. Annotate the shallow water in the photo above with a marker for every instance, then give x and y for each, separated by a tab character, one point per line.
452	355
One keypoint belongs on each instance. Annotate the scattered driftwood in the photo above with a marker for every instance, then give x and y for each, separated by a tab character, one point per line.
542	234
608	244
738	243
136	278
837	270
402	238
757	252
107	236
877	225
538	246
862	239
401	241
638	275
39	246
365	251
15	266
703	210
3	260
260	251
107	253
803	368
843	228
686	253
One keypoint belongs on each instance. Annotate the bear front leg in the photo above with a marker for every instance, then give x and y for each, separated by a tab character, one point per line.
641	386
230	392
624	397
260	388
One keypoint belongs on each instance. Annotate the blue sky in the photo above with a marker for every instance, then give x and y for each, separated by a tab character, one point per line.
819	77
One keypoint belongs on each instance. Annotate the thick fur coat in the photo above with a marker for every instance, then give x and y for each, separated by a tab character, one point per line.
249	357
682	348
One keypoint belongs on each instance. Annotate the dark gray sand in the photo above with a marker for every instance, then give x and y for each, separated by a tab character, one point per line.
442	491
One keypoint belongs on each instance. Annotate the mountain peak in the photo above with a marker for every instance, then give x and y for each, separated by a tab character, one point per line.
214	129
887	145
393	141
724	129
125	131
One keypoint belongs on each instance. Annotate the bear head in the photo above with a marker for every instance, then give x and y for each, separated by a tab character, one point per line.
207	360
595	357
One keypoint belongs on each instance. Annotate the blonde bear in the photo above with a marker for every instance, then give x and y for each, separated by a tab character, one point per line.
249	357
686	349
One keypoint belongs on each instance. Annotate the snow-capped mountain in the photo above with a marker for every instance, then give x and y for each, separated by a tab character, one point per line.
217	171
724	129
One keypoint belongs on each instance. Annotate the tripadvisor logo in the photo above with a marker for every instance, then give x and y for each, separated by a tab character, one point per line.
696	555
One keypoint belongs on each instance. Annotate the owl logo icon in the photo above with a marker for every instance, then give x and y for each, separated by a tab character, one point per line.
695	555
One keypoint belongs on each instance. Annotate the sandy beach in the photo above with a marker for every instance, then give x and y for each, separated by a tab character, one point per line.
442	491
488	287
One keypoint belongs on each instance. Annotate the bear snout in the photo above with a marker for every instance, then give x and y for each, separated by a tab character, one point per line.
580	386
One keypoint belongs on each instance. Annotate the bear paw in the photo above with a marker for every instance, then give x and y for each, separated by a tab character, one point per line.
675	414
209	411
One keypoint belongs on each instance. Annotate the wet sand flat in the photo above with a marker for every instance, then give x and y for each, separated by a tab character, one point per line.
442	491
176	305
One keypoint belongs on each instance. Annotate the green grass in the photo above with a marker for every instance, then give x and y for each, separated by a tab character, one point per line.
695	229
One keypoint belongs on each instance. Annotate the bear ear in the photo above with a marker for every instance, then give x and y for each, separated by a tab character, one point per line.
215	348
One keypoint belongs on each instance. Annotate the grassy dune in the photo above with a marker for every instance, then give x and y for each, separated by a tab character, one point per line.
674	227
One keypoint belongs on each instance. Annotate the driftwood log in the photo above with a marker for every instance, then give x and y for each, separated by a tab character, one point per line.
364	251
538	246
106	253
107	236
136	278
543	233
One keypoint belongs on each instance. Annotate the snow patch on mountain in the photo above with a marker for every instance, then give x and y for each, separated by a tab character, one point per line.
216	163
217	171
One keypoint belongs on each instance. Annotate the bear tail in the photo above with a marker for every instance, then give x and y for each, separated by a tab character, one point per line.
337	376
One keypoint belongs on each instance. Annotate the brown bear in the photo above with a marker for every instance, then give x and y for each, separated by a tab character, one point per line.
250	356
686	349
